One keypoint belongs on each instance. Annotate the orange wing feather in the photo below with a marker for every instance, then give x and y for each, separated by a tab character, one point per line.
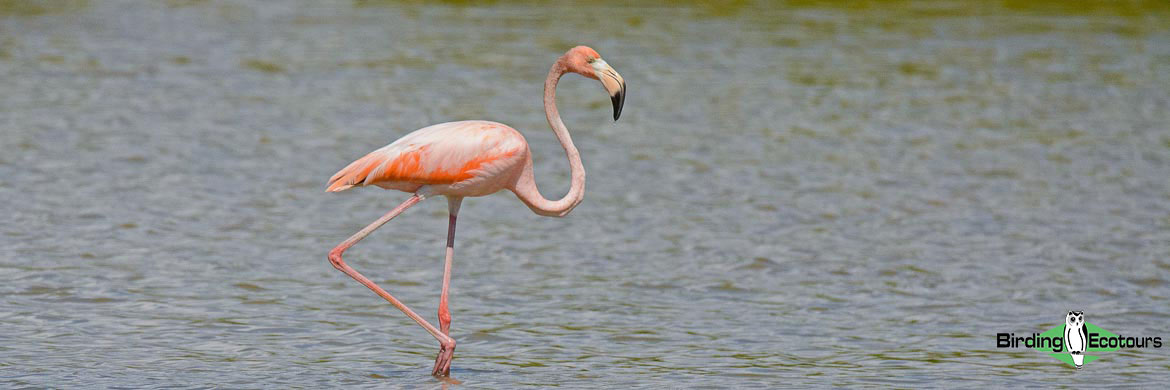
441	154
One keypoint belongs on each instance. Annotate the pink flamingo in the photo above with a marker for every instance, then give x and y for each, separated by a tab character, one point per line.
470	158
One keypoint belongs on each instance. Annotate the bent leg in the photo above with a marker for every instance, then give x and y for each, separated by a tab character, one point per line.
335	259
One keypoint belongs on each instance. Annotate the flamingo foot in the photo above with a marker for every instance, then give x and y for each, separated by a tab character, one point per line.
443	361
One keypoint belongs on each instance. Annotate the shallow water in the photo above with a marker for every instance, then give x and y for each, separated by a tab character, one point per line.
797	193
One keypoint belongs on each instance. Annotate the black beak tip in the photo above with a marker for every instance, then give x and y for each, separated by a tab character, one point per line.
619	100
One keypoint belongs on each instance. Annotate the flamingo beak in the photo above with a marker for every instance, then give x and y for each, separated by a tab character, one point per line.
613	83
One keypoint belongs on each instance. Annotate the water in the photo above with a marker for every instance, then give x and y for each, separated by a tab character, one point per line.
797	194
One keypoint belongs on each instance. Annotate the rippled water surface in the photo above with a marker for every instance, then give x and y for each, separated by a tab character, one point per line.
798	193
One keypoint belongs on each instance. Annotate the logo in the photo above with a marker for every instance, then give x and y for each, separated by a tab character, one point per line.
1072	341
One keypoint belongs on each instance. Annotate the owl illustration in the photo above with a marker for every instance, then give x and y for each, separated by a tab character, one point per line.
1076	336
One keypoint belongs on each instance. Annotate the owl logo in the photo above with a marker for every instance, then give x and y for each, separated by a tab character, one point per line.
1076	336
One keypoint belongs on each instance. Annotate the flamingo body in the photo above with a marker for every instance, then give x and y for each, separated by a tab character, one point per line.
465	158
470	158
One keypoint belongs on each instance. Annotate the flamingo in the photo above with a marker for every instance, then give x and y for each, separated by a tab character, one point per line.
470	158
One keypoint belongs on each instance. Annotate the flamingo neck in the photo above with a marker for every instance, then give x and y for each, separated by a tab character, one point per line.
525	188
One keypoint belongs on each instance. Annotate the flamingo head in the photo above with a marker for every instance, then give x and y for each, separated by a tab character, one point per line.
585	61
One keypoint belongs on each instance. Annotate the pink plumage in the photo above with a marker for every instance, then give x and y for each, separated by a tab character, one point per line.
466	158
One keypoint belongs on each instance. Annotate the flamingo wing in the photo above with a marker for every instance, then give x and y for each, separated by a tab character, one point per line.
445	153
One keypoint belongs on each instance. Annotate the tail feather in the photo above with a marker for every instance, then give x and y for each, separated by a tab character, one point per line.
353	174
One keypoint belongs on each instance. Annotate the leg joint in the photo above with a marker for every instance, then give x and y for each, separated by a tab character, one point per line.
335	258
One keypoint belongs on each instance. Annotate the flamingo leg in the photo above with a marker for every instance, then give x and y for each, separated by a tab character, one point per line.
443	361
445	341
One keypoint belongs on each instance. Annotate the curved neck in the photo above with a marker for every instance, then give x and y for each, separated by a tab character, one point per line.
525	188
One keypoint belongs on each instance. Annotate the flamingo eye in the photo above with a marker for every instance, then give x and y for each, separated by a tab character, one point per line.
591	60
